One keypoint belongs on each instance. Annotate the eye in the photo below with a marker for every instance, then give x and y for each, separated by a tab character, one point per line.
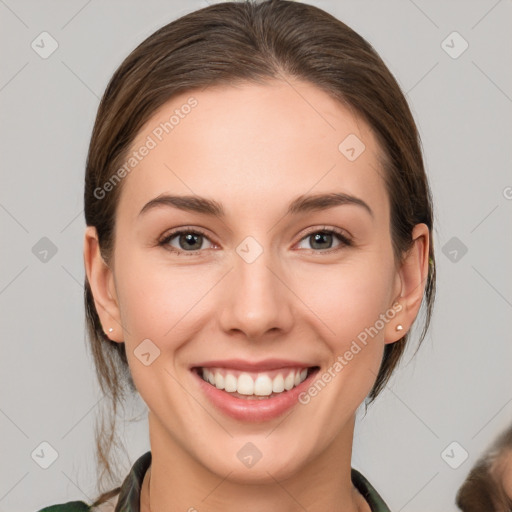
188	241
323	239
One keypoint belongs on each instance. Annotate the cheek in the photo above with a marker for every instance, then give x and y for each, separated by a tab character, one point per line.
155	298
168	304
351	309
348	298
161	304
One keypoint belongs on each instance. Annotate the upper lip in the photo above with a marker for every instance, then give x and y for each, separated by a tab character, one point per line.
252	366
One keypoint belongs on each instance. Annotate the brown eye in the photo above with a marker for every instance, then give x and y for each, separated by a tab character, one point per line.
185	241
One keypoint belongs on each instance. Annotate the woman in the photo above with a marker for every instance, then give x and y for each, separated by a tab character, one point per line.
258	246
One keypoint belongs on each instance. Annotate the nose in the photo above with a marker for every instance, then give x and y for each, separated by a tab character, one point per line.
257	300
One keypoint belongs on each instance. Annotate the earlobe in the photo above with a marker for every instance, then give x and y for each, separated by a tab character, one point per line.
101	281
412	277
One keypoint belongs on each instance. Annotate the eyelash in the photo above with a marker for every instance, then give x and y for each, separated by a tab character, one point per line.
342	237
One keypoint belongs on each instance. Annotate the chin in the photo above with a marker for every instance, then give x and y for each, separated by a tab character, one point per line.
249	460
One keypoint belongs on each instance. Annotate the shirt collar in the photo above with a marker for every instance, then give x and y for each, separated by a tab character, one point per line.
129	496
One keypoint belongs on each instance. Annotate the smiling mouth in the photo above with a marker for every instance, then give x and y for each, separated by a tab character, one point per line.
255	385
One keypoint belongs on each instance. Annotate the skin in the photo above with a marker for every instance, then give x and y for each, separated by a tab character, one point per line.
254	148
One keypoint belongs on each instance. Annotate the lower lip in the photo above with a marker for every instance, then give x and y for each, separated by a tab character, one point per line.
254	410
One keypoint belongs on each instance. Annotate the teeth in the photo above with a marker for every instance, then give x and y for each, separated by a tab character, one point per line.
278	384
245	385
260	384
219	380
230	383
289	381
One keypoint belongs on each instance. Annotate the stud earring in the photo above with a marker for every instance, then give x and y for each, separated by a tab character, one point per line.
110	329
399	327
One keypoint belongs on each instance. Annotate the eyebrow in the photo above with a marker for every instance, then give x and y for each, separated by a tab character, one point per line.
302	204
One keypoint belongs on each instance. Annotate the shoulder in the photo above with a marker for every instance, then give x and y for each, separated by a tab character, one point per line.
70	506
80	506
128	491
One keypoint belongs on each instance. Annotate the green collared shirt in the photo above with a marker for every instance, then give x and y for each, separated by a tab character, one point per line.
129	496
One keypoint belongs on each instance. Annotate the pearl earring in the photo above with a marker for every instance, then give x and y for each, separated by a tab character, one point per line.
399	327
110	329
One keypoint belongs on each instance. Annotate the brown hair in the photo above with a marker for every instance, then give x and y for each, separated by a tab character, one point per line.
483	491
250	42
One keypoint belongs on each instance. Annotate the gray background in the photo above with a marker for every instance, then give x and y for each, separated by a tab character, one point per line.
456	389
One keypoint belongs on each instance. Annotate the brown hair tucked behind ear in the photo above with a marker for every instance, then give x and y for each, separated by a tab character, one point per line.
246	41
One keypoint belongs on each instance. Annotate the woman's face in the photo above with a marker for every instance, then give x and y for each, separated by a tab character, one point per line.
263	288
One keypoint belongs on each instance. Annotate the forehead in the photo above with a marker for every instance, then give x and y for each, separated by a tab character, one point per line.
261	143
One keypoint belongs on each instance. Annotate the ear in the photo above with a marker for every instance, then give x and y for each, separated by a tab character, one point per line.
410	284
101	281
